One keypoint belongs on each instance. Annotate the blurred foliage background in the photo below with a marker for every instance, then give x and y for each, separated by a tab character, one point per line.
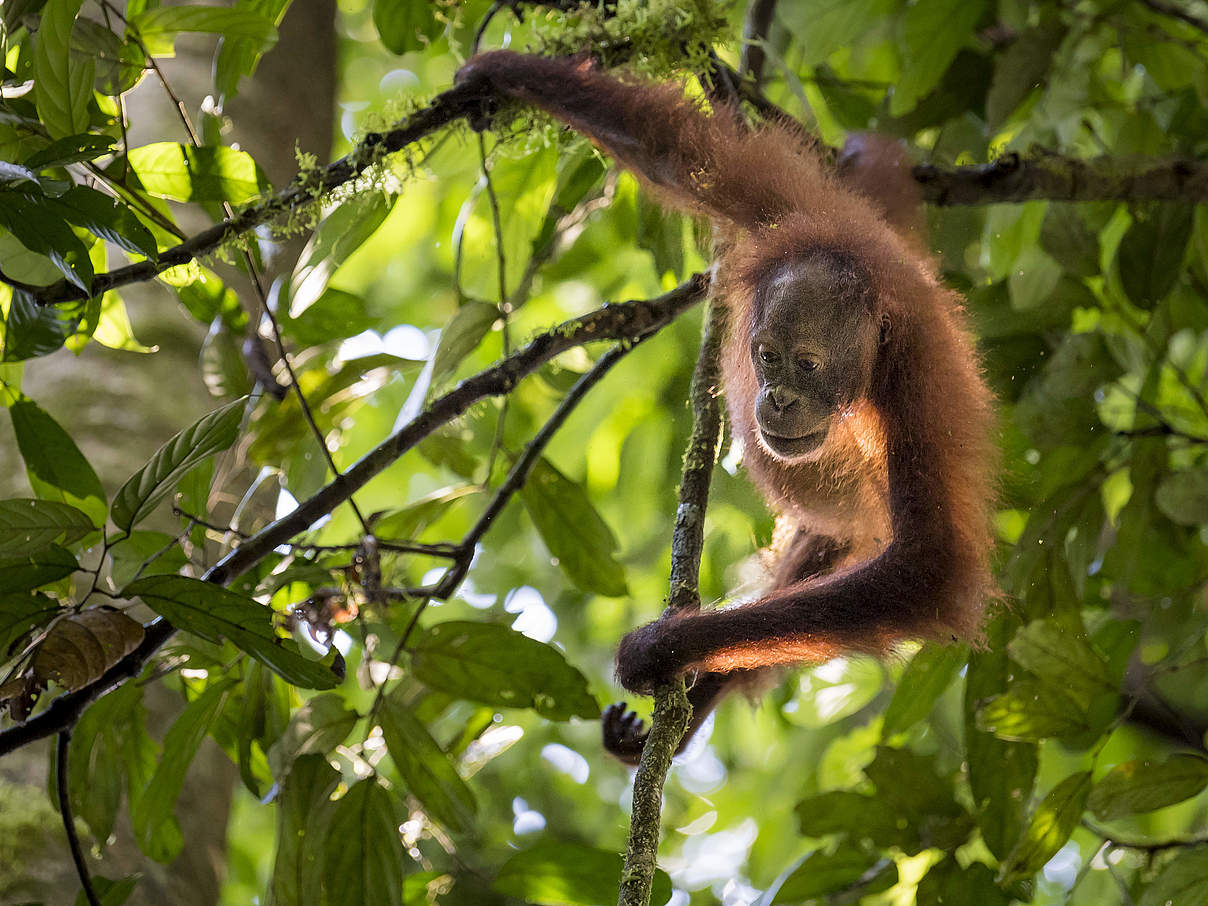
1064	761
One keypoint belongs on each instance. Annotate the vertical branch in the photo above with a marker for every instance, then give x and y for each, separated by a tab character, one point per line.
671	709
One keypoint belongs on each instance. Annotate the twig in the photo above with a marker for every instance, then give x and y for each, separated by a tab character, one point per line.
754	34
73	839
624	321
671	708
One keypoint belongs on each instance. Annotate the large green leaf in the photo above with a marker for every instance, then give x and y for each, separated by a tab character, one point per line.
215	613
238	55
821	874
100	215
494	665
184	173
462	335
62	79
152	813
929	673
1030	711
1151	253
573	531
155	480
405	25
1142	786
57	469
1051	825
429	774
365	860
824	26
1184	882
95	757
561	873
27	526
303	814
158	28
1063	660
321	724
39	223
932	33
21	613
28	571
340	233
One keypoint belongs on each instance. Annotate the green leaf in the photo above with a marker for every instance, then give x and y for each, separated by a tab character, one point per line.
838	811
95	757
909	784
1183	882
820	874
929	673
145	554
1066	237
1019	70
56	468
144	489
32	330
560	872
184	173
303	814
824	26
1150	256
1051	825
39	224
405	25
365	857
1142	786
214	613
27	526
103	217
1063	660
932	33
340	233
1001	773
152	813
573	531
1030	711
335	315
158	28
948	884
80	647
109	892
29	571
321	724
428	772
491	664
238	56
1183	496
462	335
21	613
62	79
71	149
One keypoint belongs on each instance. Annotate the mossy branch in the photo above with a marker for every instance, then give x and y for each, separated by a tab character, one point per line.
672	712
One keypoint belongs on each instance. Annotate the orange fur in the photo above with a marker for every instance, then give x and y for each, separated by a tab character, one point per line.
883	532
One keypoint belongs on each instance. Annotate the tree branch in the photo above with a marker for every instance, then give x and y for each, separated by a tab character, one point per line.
671	708
627	321
1052	177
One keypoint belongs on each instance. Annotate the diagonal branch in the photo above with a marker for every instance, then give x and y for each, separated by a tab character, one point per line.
626	321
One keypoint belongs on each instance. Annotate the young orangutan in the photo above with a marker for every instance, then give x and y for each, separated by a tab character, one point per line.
850	376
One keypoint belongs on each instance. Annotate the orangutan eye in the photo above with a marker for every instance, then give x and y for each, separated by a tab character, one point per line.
767	354
807	362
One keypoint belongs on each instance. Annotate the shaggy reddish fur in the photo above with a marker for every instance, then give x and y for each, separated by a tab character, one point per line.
901	490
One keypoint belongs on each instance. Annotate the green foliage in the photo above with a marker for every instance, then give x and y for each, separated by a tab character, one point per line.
456	761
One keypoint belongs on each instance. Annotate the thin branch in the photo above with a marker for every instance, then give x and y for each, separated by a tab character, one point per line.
671	708
524	465
1014	177
624	321
73	839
